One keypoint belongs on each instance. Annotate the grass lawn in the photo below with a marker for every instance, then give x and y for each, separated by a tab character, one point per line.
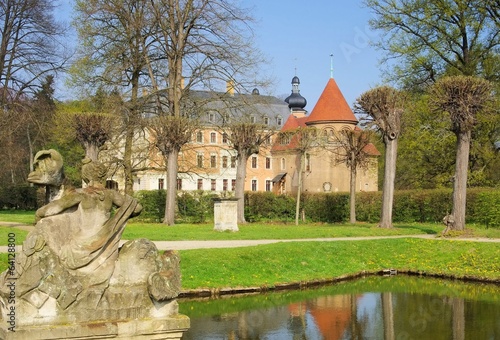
268	265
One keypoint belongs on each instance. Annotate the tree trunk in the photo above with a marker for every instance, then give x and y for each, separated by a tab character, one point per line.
92	151
239	190
127	160
388	316
172	170
352	195
299	188
460	182
458	312
391	150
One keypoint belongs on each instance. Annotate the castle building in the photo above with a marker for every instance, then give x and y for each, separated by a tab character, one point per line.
320	170
208	162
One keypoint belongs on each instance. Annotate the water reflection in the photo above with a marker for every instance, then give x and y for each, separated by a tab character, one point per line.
371	308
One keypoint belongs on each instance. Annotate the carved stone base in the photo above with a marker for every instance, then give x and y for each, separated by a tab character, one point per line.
148	329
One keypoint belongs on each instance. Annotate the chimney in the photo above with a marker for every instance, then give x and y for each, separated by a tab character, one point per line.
230	87
182	83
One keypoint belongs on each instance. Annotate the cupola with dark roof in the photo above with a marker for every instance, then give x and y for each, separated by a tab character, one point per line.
295	101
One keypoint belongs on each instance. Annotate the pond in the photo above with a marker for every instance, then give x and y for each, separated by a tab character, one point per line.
375	307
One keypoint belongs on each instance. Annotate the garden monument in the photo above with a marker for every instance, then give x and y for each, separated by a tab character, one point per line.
73	280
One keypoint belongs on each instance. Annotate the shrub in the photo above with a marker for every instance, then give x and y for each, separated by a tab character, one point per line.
266	205
326	207
487	210
22	197
153	205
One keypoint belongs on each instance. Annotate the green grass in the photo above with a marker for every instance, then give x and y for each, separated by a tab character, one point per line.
268	265
158	232
18	216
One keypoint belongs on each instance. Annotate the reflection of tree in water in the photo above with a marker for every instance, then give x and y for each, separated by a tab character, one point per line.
426	312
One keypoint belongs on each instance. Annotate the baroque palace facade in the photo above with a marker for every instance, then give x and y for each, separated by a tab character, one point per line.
208	162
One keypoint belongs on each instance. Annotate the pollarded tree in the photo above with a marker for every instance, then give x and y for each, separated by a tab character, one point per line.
383	107
351	150
462	98
246	138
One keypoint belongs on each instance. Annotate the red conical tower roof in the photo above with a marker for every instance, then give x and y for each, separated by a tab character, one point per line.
331	107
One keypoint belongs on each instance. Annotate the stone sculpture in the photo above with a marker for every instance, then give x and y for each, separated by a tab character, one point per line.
71	268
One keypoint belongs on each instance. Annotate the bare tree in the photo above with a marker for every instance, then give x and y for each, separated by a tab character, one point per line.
197	43
351	150
462	98
112	56
302	140
31	52
384	106
246	138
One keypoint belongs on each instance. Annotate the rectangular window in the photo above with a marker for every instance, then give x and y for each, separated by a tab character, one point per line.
308	162
233	161
268	162
233	184
199	137
213	161
269	185
161	183
179	183
200	183
213	137
199	160
224	161
254	162
213	184
224	185
254	185
224	138
283	164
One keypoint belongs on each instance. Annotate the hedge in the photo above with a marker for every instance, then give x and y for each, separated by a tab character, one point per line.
22	197
483	206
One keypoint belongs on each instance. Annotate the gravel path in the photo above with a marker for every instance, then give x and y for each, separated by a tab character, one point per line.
185	245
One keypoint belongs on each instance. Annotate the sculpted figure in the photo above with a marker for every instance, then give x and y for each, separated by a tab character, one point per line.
71	265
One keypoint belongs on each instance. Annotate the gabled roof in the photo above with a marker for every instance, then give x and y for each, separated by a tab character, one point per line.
291	124
331	107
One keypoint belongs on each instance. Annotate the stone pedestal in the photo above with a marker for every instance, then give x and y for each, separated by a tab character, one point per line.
170	328
226	214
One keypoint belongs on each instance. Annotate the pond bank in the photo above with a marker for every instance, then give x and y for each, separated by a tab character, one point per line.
219	292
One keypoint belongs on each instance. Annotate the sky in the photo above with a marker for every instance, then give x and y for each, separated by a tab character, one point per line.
299	37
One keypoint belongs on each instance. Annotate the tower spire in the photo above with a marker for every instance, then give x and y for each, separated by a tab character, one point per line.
331	65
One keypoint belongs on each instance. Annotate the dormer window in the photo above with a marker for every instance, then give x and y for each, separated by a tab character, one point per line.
279	121
211	117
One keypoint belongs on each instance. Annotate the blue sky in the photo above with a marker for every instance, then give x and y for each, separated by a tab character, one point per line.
298	38
302	35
